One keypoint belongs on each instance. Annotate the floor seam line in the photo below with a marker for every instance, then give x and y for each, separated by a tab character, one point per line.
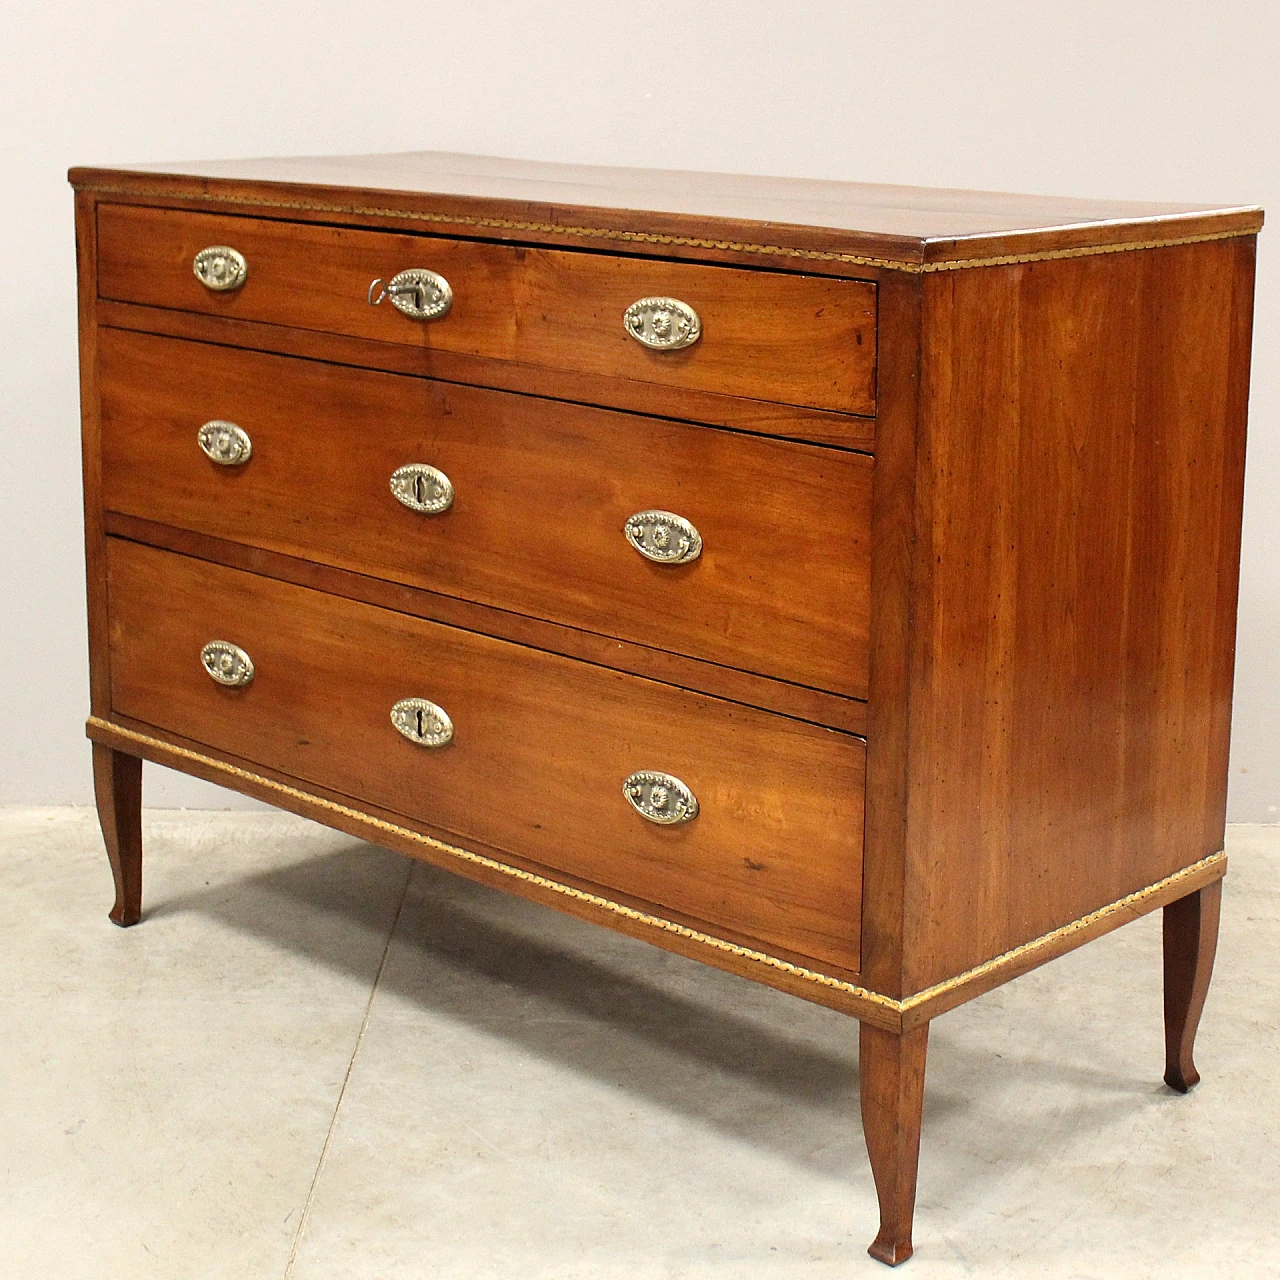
346	1079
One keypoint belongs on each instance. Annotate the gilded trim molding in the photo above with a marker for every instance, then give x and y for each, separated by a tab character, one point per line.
647	237
1131	904
105	727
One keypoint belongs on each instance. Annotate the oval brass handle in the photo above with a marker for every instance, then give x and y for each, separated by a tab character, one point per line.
663	537
227	663
225	443
660	797
418	293
422	488
422	722
220	268
662	324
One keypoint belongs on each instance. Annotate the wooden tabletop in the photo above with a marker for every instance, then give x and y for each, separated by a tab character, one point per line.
916	228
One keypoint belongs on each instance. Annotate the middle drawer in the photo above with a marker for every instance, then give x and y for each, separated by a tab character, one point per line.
542	495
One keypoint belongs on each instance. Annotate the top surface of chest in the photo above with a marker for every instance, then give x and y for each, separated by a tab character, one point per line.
678	213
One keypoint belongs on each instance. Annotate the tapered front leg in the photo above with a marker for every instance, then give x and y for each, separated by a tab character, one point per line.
117	786
891	1069
1190	942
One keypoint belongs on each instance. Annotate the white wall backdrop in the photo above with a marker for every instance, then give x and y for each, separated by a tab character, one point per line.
1113	98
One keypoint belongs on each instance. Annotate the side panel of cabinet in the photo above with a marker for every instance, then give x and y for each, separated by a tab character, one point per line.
1077	536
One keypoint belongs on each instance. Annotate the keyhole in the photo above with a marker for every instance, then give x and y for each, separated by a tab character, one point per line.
420	489
422	723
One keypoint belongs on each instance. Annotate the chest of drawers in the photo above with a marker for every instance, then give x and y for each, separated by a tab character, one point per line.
834	584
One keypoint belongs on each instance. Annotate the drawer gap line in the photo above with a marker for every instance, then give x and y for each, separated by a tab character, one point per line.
116	531
129	309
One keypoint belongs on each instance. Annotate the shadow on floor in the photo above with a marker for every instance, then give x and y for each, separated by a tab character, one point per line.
770	1068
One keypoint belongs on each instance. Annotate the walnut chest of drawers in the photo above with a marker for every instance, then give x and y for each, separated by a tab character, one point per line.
835	584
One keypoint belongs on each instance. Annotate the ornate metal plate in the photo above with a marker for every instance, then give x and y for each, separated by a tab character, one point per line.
662	324
660	797
227	663
663	536
422	294
422	722
422	488
225	443
220	268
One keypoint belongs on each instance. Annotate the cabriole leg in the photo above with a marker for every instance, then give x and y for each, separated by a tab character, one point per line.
891	1071
1190	941
117	786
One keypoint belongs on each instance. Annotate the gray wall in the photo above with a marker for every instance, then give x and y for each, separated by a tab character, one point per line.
1117	98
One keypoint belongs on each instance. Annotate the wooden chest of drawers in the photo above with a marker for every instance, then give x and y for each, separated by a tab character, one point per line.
834	584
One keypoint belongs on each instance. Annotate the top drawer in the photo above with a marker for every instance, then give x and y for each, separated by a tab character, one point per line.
807	341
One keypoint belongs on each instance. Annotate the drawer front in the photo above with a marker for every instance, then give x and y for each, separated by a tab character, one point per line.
541	746
802	340
542	492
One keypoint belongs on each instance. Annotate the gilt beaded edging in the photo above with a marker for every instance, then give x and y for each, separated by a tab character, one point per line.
649	237
1004	960
492	864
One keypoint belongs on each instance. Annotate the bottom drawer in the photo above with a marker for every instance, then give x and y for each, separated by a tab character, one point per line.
540	748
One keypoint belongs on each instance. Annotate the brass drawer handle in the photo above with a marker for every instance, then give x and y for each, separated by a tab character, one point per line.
663	537
662	324
418	293
227	663
225	443
422	488
660	797
220	268
422	722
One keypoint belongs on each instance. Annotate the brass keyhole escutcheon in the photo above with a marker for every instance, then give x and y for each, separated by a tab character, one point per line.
422	488
422	722
417	293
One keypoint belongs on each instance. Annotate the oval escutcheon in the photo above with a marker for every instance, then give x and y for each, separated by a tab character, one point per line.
662	324
225	443
227	663
660	798
663	537
417	293
220	268
422	488
422	722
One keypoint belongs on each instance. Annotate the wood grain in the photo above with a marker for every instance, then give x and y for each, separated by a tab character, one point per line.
669	213
543	491
402	834
541	747
893	550
924	1006
762	417
1078	501
802	340
91	454
797	701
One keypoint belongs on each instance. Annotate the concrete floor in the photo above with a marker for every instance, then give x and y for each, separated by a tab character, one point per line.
314	1059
